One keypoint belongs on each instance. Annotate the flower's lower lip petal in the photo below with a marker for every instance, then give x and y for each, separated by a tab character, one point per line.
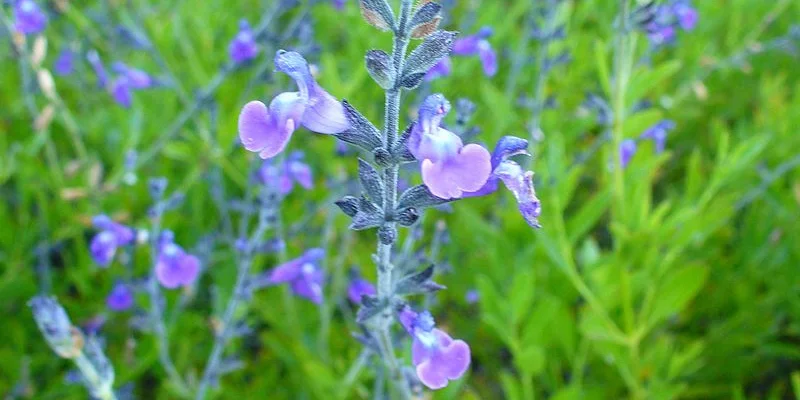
431	375
324	114
472	167
259	131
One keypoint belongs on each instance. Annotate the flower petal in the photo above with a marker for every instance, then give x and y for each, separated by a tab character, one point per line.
468	171
301	172
267	131
488	58
287	271
508	146
520	183
324	114
431	375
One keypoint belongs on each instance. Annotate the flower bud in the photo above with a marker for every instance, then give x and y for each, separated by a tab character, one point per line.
54	323
387	234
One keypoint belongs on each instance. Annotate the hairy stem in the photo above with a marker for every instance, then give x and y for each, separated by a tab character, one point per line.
384	251
238	296
157	316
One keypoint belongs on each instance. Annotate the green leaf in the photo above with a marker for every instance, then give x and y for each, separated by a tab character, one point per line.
530	361
522	290
676	291
601	60
511	390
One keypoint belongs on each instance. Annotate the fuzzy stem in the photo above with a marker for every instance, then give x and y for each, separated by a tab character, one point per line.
238	296
98	389
157	316
385	287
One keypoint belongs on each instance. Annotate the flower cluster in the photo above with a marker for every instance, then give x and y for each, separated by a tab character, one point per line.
126	80
668	18
303	274
284	175
112	236
657	133
477	44
243	47
28	17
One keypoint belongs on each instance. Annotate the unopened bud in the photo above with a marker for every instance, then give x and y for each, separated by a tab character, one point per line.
54	323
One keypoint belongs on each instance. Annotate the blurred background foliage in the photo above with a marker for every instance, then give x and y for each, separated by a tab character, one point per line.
687	288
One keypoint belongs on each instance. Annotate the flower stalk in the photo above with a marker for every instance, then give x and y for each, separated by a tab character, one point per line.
385	287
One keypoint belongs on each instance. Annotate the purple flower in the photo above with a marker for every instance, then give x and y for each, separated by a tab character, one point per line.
285	174
243	47
339	4
97	66
626	151
440	69
304	275
28	17
658	133
120	298
478	44
517	180
137	79
661	34
472	296
121	91
65	63
174	267
449	168
268	130
437	357
359	287
112	235
686	15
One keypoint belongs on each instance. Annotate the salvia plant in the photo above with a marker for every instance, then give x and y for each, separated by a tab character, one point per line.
175	234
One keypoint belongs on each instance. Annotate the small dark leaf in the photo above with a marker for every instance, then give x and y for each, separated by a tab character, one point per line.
411	81
418	283
370	307
361	133
371	181
380	68
407	217
435	47
369	216
400	152
419	197
348	205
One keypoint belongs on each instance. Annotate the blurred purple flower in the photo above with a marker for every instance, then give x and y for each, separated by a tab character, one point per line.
121	91
268	130
658	133
174	267
437	357
137	79
626	151
440	69
359	287
339	4
28	17
111	236
120	298
517	180
304	275
478	44
283	175
449	168
686	14
243	47
65	63
97	66
472	296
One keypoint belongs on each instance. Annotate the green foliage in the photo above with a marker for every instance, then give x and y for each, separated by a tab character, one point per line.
685	288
